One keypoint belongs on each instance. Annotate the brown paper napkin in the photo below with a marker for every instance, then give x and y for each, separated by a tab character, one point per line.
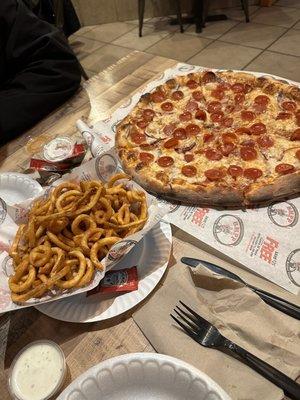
238	313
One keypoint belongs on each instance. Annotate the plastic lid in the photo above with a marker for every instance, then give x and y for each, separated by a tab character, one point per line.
58	149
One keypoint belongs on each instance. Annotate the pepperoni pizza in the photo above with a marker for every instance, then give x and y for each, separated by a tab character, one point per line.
226	138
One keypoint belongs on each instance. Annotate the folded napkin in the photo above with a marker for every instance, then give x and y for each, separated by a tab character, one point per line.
236	311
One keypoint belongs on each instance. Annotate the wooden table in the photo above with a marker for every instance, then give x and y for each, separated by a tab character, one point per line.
83	344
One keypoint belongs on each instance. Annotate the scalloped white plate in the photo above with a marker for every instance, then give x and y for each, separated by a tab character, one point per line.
143	376
150	255
15	187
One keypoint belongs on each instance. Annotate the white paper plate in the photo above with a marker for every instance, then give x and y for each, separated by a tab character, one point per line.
150	255
143	376
15	188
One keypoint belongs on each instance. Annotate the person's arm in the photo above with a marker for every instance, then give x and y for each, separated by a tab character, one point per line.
41	71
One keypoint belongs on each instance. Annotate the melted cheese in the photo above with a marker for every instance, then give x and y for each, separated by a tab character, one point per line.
280	130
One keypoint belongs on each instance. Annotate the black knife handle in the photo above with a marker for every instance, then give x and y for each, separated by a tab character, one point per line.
290	387
278	303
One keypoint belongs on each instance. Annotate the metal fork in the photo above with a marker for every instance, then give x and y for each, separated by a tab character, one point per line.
208	335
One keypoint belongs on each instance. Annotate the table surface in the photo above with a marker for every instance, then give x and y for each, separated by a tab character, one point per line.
83	344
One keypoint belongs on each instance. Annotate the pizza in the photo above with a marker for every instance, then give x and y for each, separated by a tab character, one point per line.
215	138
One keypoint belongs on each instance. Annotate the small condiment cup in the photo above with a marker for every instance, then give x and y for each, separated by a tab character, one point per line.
24	375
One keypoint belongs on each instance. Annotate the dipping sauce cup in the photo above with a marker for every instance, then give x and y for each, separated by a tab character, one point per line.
38	371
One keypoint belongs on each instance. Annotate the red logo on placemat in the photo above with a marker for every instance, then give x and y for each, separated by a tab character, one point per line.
268	248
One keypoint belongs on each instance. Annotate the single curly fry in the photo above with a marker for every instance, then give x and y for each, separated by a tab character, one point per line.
59	259
85	220
67	200
17	286
54	239
88	236
60	188
87	277
35	292
99	246
116	178
82	267
40	255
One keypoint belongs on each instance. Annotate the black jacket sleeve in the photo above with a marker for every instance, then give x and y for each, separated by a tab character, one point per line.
38	70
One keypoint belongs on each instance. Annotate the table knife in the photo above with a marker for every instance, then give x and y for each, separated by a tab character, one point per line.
274	301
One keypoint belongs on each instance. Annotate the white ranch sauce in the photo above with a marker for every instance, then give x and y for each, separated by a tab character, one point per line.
37	372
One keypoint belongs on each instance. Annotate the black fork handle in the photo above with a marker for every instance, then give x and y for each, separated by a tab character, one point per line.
290	387
282	305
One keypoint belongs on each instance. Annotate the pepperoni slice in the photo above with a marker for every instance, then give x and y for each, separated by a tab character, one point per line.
229	108
227	149
258	129
265	142
249	143
297	154
189	157
191	84
208	137
217	116
148	114
295	135
235	171
252	173
197	95
208	77
167	106
192	129
191	106
242	131
289	106
260	108
262	100
186	116
142	124
239	98
247	115
177	95
284	169
284	115
214	174
218	94
248	153
137	137
158	97
189	170
180	133
168	129
298	120
227	122
238	88
165	161
212	154
173	142
146	157
201	115
229	137
214	106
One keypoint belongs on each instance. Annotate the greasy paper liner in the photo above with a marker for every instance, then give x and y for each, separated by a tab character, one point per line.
263	240
99	168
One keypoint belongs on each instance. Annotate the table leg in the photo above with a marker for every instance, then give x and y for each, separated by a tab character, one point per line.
198	16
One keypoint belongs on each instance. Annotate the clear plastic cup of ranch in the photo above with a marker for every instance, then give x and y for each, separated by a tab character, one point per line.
38	371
